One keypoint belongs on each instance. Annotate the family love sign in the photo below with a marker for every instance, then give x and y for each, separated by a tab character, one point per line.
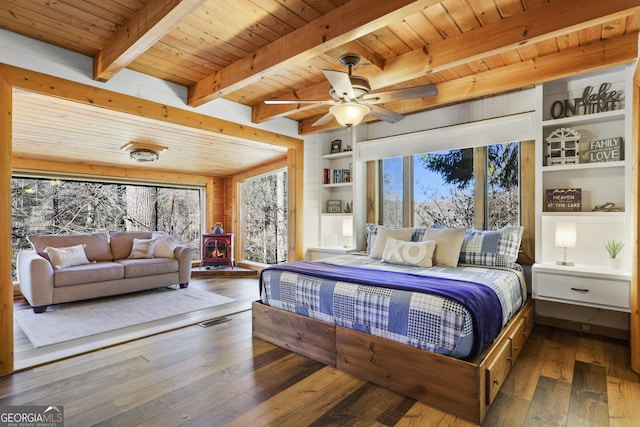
606	150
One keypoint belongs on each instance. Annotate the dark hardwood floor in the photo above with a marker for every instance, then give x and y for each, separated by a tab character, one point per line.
220	375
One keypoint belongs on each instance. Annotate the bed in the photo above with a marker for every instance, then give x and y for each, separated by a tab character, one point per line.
446	335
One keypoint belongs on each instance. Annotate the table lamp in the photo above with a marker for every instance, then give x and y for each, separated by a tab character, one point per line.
565	238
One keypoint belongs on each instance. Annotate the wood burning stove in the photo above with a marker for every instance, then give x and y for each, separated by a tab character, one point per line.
217	249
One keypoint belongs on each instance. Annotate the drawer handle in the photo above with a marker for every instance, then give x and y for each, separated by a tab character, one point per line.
581	290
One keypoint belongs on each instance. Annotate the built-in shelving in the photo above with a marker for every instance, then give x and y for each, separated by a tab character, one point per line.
337	189
600	170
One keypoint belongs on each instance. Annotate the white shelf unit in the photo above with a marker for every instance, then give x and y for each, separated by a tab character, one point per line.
590	283
600	182
334	224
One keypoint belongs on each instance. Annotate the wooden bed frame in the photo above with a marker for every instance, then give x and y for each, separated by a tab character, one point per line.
462	388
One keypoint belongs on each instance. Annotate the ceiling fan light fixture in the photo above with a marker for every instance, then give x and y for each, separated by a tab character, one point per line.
349	113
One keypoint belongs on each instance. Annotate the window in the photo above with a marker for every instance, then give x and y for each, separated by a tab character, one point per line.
470	187
264	218
41	205
443	189
392	189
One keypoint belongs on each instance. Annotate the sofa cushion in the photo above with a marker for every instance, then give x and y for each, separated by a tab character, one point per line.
97	246
142	248
165	245
88	273
148	267
122	242
66	257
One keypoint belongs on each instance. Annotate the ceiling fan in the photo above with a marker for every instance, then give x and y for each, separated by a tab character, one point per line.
352	97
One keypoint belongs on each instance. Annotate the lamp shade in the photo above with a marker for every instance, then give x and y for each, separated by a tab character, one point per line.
349	113
566	234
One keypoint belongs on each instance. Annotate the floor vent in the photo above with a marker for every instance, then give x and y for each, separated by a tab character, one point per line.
212	322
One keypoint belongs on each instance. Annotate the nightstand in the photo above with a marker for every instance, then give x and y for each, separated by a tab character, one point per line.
320	253
591	286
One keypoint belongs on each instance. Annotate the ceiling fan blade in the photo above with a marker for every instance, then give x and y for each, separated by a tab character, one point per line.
341	83
384	114
293	101
323	120
402	94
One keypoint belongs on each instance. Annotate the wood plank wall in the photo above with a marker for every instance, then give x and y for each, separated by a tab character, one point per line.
6	287
635	187
217	188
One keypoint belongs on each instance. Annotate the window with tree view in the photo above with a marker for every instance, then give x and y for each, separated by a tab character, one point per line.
264	218
470	187
52	206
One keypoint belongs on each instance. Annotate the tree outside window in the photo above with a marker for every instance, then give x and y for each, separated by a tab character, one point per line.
56	206
265	218
448	191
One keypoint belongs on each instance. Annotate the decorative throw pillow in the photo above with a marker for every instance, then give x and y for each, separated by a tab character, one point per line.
164	246
417	254
386	232
67	257
142	248
448	244
492	247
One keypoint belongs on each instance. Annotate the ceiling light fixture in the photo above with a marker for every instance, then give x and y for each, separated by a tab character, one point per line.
143	155
142	152
349	113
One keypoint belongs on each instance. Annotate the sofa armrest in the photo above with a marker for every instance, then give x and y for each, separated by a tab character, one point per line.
35	276
183	255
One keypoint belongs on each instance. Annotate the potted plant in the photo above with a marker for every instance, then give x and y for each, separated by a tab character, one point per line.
613	248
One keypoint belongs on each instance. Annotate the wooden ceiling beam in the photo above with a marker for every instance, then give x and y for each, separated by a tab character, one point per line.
152	22
544	22
606	53
341	25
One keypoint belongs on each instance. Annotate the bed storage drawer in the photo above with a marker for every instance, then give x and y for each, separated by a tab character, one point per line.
498	368
300	334
518	338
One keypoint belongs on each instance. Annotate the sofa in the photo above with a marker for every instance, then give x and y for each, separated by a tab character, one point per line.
64	268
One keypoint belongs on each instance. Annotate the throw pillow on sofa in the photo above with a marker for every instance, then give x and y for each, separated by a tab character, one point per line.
142	248
67	257
165	245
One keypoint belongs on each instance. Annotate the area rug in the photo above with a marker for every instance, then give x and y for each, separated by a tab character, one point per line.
69	321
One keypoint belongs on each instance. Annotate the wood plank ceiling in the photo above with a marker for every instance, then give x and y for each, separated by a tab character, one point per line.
249	51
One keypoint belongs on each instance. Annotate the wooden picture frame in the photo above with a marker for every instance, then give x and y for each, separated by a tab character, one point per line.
334	206
336	146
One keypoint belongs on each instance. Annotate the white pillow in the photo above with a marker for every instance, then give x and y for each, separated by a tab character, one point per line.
417	254
165	245
448	244
67	257
142	248
384	233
